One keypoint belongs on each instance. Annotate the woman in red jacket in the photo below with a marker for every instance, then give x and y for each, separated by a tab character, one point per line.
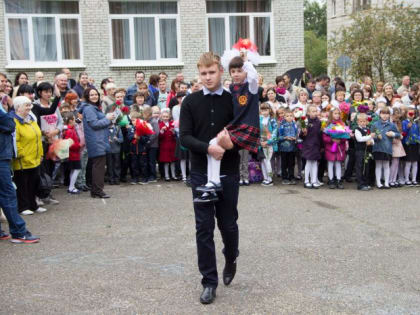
167	143
74	154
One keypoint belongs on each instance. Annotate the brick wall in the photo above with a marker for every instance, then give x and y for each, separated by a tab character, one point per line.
288	31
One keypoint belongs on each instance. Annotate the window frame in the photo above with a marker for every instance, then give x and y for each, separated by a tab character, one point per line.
252	15
31	63
133	62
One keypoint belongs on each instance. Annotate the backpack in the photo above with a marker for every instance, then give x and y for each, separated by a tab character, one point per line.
255	173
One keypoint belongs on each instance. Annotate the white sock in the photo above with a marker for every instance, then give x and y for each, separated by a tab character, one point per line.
73	178
166	170
183	164
330	170
401	178
386	172
378	172
173	169
264	171
338	169
407	170
414	171
314	172
307	171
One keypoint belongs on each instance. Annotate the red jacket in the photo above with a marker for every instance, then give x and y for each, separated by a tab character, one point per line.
71	133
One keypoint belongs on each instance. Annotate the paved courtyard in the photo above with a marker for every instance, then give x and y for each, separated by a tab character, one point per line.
302	252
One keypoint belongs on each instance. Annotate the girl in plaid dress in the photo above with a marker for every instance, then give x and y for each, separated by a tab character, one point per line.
244	129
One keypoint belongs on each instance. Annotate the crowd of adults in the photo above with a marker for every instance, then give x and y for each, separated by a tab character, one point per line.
35	114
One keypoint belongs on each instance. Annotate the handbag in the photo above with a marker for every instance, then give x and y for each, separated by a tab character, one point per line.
255	173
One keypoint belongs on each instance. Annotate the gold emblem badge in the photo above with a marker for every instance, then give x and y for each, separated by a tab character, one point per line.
243	99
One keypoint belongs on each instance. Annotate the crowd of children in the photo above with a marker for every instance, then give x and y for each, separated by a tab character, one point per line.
369	131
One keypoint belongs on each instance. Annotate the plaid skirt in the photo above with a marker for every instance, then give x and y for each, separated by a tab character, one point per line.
245	136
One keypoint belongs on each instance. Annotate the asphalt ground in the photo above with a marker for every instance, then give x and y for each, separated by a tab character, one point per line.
302	252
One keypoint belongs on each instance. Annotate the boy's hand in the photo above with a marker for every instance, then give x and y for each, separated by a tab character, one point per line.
369	143
223	139
390	134
216	151
305	131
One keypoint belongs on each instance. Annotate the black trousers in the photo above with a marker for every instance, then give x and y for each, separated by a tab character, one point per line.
362	169
139	166
151	163
321	167
287	165
98	174
226	213
351	163
125	165
88	174
113	166
26	182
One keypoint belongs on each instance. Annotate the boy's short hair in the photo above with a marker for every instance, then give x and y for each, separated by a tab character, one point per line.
155	108
286	110
67	117
135	115
120	90
208	59
235	63
362	116
385	110
279	78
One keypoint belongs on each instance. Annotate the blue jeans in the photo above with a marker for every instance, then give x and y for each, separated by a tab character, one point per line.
8	201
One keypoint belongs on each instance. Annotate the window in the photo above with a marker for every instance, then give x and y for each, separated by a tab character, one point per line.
334	7
230	20
145	32
361	5
43	33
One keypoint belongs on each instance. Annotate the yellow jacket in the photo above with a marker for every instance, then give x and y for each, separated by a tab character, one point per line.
28	144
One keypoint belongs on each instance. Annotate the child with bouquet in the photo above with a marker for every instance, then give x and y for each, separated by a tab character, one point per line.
411	142
335	137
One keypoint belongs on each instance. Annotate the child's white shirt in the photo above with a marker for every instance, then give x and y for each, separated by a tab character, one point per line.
252	77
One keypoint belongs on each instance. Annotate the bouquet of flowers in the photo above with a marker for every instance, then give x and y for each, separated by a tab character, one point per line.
301	119
337	131
143	128
59	149
243	45
345	110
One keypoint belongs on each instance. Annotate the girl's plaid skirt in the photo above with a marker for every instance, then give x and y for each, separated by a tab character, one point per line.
245	136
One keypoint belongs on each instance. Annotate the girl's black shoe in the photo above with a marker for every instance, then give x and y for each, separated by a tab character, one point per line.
331	184
339	184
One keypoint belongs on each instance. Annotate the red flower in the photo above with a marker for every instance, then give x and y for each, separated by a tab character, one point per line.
411	114
404	134
125	110
368	132
369	119
118	102
303	117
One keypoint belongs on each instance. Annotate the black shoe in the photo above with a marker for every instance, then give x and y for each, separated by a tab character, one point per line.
206	197
209	189
208	295
102	195
229	272
331	184
339	184
349	180
363	188
85	188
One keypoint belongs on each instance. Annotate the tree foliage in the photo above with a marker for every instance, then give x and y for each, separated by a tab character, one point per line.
382	42
315	53
315	21
315	17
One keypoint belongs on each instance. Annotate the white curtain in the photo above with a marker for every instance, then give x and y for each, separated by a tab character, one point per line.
145	39
217	38
262	35
19	39
168	39
70	38
121	39
238	28
44	38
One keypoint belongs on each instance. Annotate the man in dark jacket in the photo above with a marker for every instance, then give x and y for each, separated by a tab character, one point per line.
204	115
8	200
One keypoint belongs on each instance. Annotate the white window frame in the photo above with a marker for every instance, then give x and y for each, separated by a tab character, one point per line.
334	8
264	59
133	62
31	63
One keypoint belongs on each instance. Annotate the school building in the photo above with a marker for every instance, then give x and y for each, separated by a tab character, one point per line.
118	37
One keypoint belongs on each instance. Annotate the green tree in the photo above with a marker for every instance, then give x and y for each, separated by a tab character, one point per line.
382	42
315	53
315	17
315	21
